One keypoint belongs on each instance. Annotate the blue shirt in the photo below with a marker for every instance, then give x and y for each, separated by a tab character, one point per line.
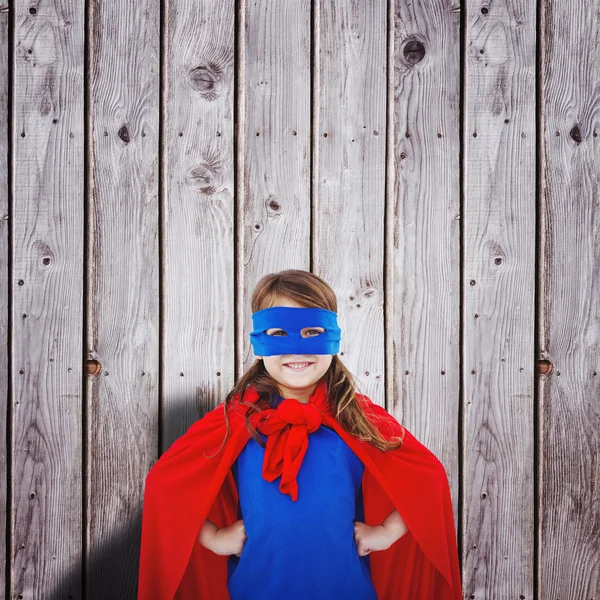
303	549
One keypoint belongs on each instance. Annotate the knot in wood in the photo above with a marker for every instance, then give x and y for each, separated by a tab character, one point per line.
206	79
206	177
575	133
413	52
124	134
273	204
544	367
93	367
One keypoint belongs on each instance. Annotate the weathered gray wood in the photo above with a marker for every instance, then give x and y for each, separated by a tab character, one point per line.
47	302
198	188
569	273
386	226
123	303
349	177
274	158
4	404
424	229
499	220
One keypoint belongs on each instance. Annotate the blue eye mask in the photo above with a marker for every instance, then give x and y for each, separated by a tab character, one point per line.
293	320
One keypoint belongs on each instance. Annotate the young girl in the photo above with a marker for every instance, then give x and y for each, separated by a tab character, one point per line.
297	486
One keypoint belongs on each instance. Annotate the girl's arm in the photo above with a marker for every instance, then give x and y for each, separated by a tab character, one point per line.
207	533
379	537
225	541
395	526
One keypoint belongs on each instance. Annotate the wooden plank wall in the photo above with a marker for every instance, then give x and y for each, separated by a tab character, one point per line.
424	216
122	298
498	308
197	211
45	418
4	287
274	151
435	162
569	302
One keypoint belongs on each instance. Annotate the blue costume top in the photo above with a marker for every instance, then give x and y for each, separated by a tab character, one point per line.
303	549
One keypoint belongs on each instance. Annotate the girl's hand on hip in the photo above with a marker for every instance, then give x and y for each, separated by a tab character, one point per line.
379	537
225	541
370	538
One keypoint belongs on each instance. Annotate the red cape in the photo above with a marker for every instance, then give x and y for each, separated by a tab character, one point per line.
184	488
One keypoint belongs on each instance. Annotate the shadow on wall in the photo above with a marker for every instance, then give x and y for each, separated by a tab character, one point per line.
113	566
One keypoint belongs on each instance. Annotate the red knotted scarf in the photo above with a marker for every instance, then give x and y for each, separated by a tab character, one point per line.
287	428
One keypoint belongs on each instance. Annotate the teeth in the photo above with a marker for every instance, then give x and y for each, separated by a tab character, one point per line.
297	365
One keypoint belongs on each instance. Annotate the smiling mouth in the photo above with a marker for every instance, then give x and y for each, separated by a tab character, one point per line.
298	366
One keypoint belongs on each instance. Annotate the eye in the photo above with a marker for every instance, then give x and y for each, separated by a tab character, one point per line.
275	332
314	331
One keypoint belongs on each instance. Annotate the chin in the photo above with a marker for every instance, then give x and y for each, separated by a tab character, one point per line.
299	382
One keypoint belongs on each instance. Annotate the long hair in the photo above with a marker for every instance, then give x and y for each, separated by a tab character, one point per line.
310	291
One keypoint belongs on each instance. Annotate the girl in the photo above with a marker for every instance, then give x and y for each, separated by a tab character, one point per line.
288	486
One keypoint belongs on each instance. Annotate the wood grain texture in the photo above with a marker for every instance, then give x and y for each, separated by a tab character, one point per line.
424	231
274	159
4	257
47	306
499	220
336	126
197	218
349	177
569	273
122	296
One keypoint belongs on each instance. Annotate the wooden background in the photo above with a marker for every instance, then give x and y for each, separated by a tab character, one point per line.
437	162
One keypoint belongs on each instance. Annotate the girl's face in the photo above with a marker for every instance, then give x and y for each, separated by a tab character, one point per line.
297	383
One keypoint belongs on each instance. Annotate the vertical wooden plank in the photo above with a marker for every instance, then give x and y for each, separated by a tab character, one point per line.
47	309
349	177
424	231
569	302
4	254
274	159
123	286
499	299
198	187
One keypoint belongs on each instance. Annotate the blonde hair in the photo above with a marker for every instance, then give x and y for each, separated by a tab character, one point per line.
308	290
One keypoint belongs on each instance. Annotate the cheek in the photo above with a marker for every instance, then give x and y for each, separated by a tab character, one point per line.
323	362
271	362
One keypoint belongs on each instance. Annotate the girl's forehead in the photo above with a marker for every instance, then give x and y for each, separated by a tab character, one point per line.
303	327
286	302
